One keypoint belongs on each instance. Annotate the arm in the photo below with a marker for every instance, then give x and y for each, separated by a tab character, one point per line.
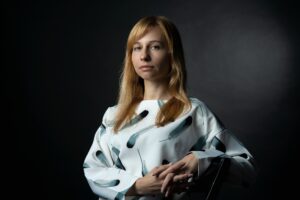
221	142
105	179
214	141
242	169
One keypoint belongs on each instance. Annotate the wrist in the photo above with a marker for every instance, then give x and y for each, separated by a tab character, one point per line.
134	190
139	186
194	163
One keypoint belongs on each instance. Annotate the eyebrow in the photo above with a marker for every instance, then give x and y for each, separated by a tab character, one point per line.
151	41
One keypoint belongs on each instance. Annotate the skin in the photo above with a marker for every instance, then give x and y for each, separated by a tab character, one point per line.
187	165
151	52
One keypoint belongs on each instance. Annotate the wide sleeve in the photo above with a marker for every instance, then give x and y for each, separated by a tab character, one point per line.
219	141
106	178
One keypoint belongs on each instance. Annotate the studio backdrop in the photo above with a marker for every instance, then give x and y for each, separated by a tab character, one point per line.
241	57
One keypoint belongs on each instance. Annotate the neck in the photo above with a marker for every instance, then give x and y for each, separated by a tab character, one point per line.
156	90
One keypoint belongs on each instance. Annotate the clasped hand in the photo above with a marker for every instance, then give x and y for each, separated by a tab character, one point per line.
170	178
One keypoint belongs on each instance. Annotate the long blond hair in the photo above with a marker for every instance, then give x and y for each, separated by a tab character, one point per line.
131	91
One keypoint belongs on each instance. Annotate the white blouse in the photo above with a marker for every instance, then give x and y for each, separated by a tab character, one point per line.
115	161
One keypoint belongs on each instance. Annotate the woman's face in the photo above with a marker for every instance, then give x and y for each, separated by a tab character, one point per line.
150	56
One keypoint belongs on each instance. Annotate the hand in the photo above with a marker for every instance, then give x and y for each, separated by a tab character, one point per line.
150	184
186	166
175	183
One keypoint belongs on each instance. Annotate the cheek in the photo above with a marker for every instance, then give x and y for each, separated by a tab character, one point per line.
134	63
134	59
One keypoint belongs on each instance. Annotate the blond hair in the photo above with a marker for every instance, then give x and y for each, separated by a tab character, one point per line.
131	91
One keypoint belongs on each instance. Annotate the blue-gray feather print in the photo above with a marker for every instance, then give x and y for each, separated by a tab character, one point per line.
144	168
199	144
119	196
165	162
85	165
107	183
119	163
136	119
217	144
101	157
133	138
180	128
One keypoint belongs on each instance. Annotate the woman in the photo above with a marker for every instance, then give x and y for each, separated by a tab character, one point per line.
156	141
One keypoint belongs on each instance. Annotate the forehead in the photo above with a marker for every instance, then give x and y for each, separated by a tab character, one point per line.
153	34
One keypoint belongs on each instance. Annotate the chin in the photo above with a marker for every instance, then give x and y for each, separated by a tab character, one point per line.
147	77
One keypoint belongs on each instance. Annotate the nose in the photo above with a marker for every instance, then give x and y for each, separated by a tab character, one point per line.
145	56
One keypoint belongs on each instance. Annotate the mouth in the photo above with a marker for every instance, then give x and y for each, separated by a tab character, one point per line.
146	67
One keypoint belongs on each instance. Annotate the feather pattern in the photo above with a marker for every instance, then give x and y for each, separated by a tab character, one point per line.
164	162
119	163
132	140
180	128
217	144
199	144
100	156
85	165
136	119
119	196
144	168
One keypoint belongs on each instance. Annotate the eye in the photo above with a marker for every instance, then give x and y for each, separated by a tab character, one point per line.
136	48
155	47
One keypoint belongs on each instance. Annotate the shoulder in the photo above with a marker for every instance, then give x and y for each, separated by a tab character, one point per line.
203	111
109	115
197	102
200	107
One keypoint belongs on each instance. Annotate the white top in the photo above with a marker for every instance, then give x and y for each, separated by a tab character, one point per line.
115	161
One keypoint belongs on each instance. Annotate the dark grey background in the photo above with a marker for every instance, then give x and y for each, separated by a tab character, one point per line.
62	64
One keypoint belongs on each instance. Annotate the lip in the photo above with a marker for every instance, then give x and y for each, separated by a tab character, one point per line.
145	67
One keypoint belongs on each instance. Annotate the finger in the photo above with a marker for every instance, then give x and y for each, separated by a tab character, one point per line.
182	177
169	191
172	169
157	170
167	182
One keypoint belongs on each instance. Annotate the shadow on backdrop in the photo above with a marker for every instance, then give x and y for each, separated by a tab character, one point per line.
241	59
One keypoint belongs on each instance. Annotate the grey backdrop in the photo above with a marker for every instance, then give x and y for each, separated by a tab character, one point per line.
63	70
